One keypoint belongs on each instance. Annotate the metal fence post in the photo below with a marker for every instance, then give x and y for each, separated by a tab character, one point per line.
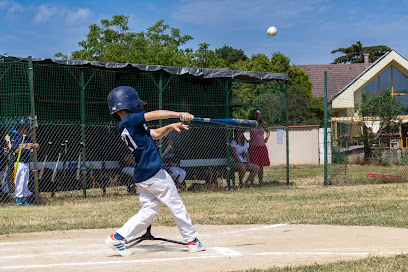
227	115
325	128
161	108
33	124
287	132
83	125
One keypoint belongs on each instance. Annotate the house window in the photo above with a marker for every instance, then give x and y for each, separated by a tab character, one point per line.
392	79
400	82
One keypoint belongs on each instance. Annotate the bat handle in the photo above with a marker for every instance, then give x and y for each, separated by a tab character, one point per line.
202	119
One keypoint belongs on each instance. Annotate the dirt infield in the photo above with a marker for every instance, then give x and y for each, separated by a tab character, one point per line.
228	248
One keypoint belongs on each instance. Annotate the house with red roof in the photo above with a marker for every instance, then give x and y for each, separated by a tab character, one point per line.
347	82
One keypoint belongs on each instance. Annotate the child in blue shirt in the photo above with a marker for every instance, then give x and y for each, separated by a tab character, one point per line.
22	176
154	184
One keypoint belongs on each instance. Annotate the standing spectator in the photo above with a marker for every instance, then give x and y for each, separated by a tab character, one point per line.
22	176
258	152
239	149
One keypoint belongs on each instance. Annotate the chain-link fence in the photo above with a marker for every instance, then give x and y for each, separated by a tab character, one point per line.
80	151
368	127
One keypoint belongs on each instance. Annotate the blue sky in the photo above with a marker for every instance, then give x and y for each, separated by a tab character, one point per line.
308	30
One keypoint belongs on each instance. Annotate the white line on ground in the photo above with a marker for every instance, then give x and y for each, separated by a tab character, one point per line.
47	241
274	226
59	253
248	229
312	253
105	263
226	251
222	251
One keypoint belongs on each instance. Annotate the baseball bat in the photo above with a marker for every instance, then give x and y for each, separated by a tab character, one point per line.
18	159
45	161
54	174
65	156
229	122
78	172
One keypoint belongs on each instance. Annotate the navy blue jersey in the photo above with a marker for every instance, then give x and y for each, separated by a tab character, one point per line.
25	153
136	135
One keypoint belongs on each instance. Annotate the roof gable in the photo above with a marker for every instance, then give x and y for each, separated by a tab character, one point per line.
351	94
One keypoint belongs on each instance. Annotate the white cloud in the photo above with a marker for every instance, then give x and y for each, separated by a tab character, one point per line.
45	13
79	15
4	4
68	15
11	6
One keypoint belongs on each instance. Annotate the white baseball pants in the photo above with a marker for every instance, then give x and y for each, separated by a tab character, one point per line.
159	188
21	180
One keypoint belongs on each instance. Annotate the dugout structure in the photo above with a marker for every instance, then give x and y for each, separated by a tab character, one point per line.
65	101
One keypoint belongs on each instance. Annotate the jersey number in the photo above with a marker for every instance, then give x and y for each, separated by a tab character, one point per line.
128	140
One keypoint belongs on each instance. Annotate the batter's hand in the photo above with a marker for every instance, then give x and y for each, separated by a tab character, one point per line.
186	117
177	126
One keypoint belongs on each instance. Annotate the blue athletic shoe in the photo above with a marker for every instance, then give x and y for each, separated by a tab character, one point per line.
25	201
18	201
195	246
118	246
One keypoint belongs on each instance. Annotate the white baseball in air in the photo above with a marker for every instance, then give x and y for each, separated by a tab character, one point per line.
272	31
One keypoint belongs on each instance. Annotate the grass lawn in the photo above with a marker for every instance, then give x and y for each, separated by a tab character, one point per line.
397	263
369	202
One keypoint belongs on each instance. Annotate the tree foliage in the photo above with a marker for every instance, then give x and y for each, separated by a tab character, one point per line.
204	57
386	108
303	108
114	41
230	55
355	53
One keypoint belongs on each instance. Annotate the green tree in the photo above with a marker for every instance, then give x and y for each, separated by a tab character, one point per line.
355	53
164	48
114	42
272	106
204	57
386	108
109	42
230	55
303	108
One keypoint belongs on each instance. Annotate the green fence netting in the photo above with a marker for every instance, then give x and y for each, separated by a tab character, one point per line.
81	153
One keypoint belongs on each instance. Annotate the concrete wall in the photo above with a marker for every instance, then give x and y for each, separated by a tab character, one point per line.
303	145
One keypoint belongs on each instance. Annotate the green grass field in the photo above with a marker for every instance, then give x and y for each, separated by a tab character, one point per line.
306	201
397	263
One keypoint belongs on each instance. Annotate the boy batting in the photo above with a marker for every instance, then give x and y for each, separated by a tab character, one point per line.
154	184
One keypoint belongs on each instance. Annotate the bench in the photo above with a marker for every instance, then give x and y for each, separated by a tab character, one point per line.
206	169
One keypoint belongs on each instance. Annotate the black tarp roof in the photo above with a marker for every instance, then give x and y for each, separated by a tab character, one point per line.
243	76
